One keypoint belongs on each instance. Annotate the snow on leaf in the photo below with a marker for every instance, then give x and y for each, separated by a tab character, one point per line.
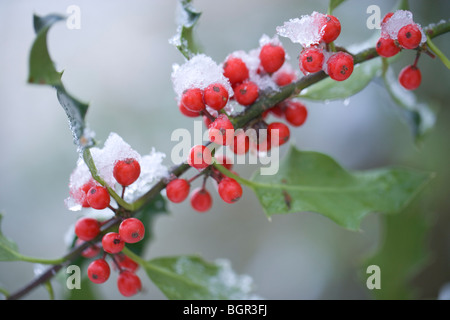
192	278
307	30
114	149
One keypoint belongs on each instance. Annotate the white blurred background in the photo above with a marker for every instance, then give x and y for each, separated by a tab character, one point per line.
120	61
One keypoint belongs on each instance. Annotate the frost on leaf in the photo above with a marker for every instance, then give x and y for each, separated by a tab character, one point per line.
114	149
240	286
307	30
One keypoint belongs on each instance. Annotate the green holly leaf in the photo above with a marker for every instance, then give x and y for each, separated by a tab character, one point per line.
420	116
42	71
184	38
402	253
329	89
314	182
333	4
192	278
8	248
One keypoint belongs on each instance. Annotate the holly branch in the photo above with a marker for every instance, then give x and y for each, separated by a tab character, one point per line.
266	101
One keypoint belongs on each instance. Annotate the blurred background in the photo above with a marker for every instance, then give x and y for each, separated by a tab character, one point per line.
120	61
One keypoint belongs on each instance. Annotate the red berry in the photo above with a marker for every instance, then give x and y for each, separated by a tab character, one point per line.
192	99
229	190
410	77
87	228
125	262
177	190
332	29
278	109
126	171
340	66
235	70
410	36
221	130
387	17
83	193
246	93
201	200
89	252
283	78
98	197
199	157
386	47
311	59
128	283
112	242
207	121
98	271
131	230
271	57
278	129
295	113
187	112
240	143
216	96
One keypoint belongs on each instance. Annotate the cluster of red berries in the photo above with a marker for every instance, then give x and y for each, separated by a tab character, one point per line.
241	83
405	35
317	56
210	103
131	230
194	101
93	195
229	189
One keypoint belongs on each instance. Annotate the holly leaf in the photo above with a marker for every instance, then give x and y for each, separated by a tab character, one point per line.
8	248
87	291
314	182
333	4
329	89
42	71
184	38
420	116
402	253
192	278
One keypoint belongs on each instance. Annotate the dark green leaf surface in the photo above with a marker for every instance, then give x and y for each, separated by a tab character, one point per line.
420	116
192	278
314	182
333	4
42	71
402	253
184	38
329	89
